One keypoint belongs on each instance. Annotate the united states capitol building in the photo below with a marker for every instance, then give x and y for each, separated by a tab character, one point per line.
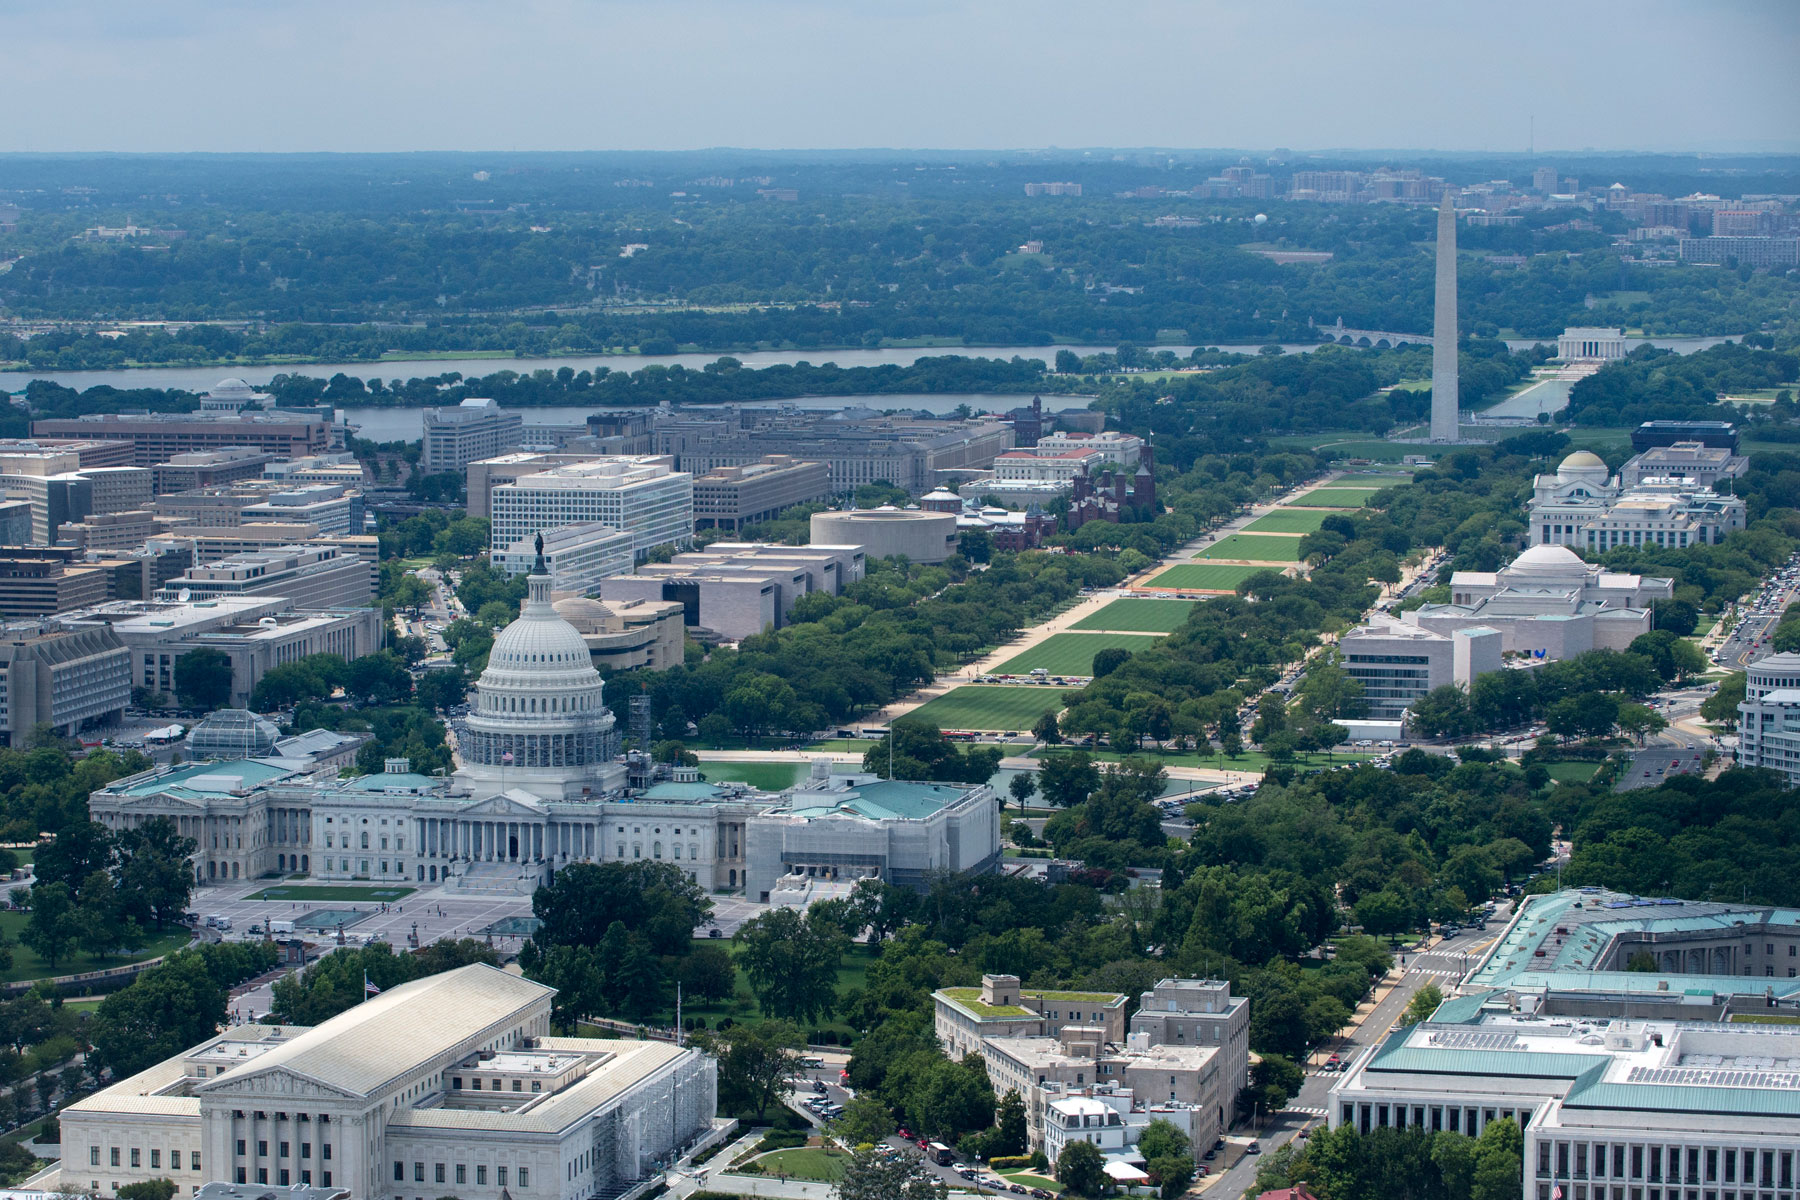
539	785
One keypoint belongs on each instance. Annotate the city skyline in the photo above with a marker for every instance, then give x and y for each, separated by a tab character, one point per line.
801	75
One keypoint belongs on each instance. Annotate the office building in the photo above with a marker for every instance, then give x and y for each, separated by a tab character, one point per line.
257	633
308	576
330	508
487	474
451	1084
732	497
107	531
474	429
1199	1012
212	544
41	581
639	495
1398	663
1548	604
1650	434
1591	345
735	590
965	1017
1080	1062
1769	716
338	468
579	556
922	537
15	522
210	468
158	437
1115	449
69	680
1685	464
858	445
622	635
1770	252
87	453
1581	506
1606	1026
1035	466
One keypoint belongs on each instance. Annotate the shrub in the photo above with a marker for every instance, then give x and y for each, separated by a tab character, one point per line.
1012	1162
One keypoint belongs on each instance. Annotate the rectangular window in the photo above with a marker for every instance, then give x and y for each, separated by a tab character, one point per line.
242	1177
93	1156
399	1172
518	1085
262	1148
480	1175
325	1179
462	1173
284	1150
305	1149
418	1172
281	1177
500	1176
193	1160
156	1158
262	1174
437	1172
524	1177
325	1151
113	1155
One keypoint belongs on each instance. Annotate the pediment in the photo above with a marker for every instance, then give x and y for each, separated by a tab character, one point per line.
274	1081
161	800
513	803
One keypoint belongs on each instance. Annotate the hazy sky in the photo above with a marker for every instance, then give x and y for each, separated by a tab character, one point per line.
286	75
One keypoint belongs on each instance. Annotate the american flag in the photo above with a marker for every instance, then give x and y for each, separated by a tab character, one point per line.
506	757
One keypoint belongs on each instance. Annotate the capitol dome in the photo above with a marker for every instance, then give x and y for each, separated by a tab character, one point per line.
539	720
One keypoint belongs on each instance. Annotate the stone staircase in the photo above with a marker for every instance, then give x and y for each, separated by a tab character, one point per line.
497	879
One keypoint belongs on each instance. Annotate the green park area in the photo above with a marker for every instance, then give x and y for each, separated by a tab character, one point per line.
1288	520
307	893
1572	772
743	1009
26	964
806	1162
1071	653
1334	497
1255	548
1370	480
1030	1179
1134	615
989	707
1204	577
768	776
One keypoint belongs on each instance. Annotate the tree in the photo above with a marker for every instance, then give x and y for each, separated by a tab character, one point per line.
1081	1169
165	1010
1383	912
1169	1155
654	899
976	545
791	962
54	924
1045	730
867	1176
379	678
1677	616
1442	712
1010	1132
1425	1001
708	973
1023	787
1640	721
866	1121
1721	707
755	1063
154	877
1109	660
1499	1162
1674	657
1067	777
148	1189
442	688
203	678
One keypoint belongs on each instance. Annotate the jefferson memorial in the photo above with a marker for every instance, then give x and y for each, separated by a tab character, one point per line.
539	785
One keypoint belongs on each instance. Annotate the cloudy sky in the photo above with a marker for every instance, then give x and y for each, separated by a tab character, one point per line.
364	75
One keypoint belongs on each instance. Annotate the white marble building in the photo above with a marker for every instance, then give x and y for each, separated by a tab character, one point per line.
449	1085
1583	507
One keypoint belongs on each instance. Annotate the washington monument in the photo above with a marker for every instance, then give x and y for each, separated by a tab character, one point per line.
1443	327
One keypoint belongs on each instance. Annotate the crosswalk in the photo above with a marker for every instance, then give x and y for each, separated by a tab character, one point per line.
1307	1112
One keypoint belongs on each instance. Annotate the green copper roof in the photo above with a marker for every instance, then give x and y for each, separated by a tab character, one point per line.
184	781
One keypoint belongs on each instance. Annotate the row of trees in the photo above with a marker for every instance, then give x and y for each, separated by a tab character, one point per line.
104	890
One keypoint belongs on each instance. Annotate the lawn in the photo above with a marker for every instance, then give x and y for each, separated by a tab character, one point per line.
1071	653
1135	615
1288	520
1572	772
1254	548
1204	577
806	1162
1375	481
1247	760
1334	497
769	777
307	893
1030	1180
989	707
27	965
